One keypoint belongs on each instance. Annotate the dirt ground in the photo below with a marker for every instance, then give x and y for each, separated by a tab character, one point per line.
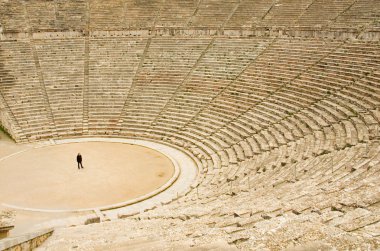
8	146
48	177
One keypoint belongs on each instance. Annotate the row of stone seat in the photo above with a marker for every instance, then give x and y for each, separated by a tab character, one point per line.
270	176
21	90
62	66
164	67
262	113
265	200
315	112
316	151
217	62
119	14
322	145
112	65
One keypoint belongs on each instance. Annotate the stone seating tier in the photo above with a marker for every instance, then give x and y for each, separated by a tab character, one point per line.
263	118
42	16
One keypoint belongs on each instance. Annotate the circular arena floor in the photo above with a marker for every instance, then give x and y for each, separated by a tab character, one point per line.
47	178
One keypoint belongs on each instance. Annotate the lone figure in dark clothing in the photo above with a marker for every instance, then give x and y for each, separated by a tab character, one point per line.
79	160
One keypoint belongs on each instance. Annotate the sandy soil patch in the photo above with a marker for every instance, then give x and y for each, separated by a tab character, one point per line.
48	177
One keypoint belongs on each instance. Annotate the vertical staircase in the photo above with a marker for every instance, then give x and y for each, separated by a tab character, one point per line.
16	130
49	111
86	85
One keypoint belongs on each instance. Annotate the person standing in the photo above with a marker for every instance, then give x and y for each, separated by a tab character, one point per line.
79	160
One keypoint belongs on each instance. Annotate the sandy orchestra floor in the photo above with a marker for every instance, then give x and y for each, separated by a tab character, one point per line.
48	177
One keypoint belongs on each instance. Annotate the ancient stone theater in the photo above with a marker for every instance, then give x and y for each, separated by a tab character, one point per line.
190	125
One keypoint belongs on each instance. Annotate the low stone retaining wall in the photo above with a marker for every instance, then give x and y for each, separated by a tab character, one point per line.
25	242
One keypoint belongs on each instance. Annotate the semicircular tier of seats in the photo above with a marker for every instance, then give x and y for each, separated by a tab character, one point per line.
285	132
97	15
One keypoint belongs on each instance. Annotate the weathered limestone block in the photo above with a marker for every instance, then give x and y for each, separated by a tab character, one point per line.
6	223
